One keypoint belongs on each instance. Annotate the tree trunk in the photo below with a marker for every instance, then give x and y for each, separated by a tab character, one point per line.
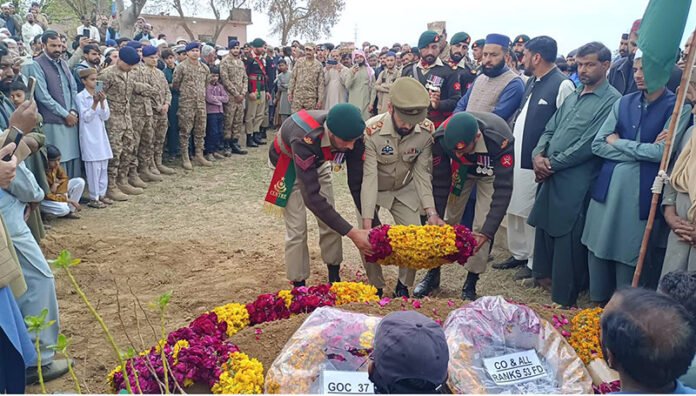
180	10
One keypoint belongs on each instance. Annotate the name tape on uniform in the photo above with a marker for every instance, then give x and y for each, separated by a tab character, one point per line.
514	368
346	382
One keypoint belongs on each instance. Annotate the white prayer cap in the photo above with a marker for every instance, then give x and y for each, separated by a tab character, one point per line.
638	55
5	5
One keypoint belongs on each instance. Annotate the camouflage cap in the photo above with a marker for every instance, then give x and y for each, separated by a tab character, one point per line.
410	100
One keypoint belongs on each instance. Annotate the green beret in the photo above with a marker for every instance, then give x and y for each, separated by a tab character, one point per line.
460	131
409	99
345	121
479	43
460	37
257	43
522	38
429	36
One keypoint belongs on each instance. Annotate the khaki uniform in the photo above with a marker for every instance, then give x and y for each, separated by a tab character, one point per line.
144	92
190	80
306	84
118	88
234	78
160	123
381	89
397	177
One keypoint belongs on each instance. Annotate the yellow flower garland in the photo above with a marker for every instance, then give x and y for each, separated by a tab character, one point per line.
177	348
420	247
287	296
351	292
236	316
240	375
584	335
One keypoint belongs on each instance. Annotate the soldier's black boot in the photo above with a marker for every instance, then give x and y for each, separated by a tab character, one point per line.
257	138
235	148
429	284
263	133
334	275
401	290
251	142
469	289
298	284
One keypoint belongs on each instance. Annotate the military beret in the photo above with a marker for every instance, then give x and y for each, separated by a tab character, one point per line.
460	131
134	44
232	43
149	50
409	99
429	36
345	121
192	45
110	43
257	43
129	55
460	37
499	39
478	43
522	38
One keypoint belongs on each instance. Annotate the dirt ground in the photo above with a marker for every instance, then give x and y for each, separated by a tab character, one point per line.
203	235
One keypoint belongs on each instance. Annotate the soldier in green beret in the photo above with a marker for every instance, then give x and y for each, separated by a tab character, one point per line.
309	146
459	60
518	49
396	173
477	53
259	96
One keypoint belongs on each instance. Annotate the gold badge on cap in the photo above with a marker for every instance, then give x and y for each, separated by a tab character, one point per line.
307	140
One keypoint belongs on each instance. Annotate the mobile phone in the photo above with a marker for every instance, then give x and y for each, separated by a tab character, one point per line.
15	135
332	62
85	32
31	85
99	87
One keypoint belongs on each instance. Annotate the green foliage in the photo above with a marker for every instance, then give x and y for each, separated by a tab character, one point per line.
64	260
38	323
62	345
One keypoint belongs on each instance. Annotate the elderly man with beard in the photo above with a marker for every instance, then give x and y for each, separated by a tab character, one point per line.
441	81
566	168
459	60
498	90
56	90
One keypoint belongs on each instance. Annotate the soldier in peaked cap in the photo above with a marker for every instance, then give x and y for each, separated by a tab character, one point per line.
441	81
396	173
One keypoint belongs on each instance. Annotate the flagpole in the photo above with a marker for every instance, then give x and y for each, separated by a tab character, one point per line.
676	113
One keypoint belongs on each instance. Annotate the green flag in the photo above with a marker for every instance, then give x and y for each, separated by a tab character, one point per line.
660	33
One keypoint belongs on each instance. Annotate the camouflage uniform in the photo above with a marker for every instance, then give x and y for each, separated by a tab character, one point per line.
160	123
118	88
190	80
144	92
234	78
306	84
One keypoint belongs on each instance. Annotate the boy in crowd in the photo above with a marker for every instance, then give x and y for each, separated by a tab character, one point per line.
62	200
215	97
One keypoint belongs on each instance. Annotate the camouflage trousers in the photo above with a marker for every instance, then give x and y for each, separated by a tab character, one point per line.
191	118
234	120
307	103
254	113
143	132
120	133
160	123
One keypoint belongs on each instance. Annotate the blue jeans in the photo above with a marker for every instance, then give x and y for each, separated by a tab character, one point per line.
213	132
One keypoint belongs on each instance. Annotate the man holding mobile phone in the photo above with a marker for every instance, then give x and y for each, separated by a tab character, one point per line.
87	30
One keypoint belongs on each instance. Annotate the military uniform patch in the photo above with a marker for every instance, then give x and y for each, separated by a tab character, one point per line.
506	161
307	140
368	131
504	144
304	164
457	86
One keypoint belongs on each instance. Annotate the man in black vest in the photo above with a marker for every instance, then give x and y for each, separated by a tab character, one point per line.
544	93
441	81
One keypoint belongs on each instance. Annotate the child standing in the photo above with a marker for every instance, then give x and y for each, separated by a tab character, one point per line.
215	97
283	81
94	143
62	200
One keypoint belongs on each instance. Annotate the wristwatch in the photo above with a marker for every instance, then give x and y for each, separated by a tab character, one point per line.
431	214
74	113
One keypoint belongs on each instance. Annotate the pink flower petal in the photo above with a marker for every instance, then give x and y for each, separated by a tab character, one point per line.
565	334
416	304
434	311
384	301
259	331
450	303
439	321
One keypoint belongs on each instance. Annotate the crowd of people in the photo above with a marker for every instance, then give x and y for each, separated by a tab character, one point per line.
512	134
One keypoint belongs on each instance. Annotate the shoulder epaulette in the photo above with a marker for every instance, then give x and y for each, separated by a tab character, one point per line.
427	125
